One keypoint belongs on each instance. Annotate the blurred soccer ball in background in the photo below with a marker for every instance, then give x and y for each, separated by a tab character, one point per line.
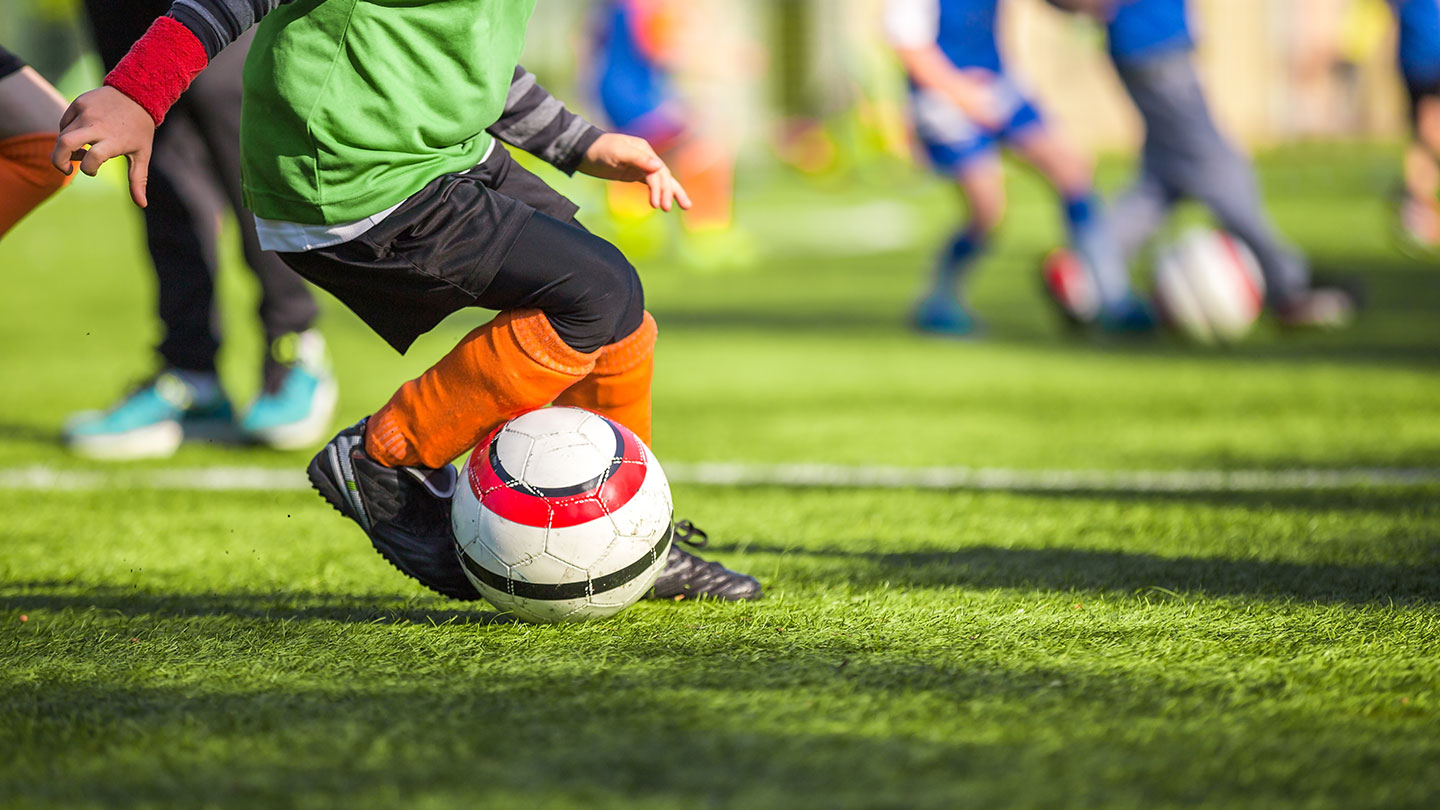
563	515
1208	286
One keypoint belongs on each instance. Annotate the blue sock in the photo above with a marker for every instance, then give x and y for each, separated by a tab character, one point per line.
1079	212
955	260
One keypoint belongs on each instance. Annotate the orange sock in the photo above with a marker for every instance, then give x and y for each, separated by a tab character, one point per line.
26	176
619	387
511	365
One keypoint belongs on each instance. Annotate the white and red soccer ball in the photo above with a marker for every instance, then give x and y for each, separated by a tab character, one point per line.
562	515
1208	286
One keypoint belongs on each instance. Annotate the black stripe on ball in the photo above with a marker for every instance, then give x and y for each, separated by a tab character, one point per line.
568	590
560	492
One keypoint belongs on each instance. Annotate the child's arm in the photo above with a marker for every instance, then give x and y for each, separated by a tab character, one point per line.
912	27
537	122
120	117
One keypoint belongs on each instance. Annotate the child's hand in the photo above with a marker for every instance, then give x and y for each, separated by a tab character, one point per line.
113	125
973	91
624	157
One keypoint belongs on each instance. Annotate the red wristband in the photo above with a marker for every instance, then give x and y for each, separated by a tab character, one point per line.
159	66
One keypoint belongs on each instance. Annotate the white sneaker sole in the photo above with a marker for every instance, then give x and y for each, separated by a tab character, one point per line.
159	440
307	432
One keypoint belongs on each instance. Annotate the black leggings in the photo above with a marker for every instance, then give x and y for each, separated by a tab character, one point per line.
495	237
583	284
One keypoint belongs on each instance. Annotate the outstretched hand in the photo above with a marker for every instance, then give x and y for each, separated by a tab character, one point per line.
627	158
112	125
973	90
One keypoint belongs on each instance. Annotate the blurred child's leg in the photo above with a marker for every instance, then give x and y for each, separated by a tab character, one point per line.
297	395
1188	154
30	111
1422	175
1137	213
944	306
1226	184
1072	177
286	305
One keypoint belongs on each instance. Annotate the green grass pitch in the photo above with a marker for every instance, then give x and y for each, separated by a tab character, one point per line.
916	649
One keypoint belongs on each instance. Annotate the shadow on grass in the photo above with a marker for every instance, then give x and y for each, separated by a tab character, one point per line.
1125	573
789	729
30	434
288	605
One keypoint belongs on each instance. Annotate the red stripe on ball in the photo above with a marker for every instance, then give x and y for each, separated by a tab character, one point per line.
509	501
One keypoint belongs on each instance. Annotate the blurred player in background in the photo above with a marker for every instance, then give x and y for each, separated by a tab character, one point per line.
965	107
1186	157
408	224
1418	53
635	50
194	179
30	112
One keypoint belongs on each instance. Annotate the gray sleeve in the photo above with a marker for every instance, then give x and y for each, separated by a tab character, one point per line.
217	23
537	122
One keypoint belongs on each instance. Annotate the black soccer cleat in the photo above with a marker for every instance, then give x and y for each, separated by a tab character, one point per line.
404	510
686	576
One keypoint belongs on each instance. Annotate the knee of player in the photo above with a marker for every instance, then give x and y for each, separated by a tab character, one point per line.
612	305
625	299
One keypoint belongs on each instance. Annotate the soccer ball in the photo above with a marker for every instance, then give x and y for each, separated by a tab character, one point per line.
563	515
1208	286
1071	286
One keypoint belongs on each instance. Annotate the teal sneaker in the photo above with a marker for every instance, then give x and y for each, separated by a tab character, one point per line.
296	411
940	314
153	419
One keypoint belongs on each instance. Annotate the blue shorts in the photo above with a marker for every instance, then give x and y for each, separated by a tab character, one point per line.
953	141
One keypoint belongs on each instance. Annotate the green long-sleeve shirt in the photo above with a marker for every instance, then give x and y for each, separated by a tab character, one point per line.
351	106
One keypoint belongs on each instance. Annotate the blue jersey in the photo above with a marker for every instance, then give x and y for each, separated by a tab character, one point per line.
964	30
967	33
1142	29
1419	41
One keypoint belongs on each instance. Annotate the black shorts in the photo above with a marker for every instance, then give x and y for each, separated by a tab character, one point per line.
443	248
1417	91
9	62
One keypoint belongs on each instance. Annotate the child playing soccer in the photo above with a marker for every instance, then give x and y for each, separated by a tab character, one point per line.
634	45
370	163
1186	156
29	108
965	107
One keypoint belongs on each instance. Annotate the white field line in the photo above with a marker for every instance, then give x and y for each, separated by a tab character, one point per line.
798	476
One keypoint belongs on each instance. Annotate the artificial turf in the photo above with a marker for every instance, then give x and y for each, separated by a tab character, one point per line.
1038	649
